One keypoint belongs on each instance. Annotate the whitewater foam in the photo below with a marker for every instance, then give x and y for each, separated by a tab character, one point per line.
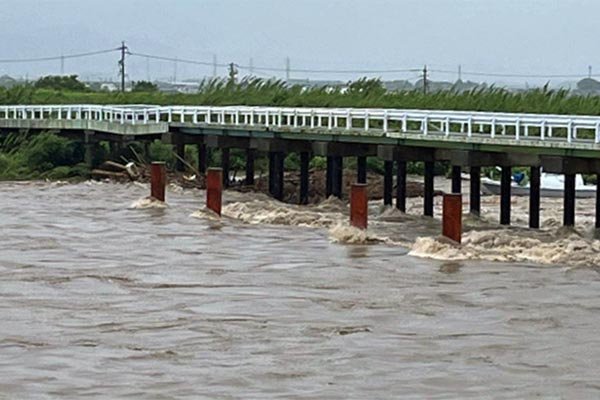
147	202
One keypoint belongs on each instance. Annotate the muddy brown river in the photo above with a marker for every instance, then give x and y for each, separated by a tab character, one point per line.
101	297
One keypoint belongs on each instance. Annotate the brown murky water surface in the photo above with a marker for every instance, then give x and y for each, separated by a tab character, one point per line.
99	299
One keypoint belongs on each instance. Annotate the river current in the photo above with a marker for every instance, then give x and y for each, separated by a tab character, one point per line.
104	295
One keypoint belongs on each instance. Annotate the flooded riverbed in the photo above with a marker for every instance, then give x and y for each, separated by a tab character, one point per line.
102	298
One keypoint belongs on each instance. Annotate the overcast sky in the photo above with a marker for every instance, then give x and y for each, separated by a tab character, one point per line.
499	36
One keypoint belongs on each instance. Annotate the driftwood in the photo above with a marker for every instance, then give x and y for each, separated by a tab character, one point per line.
114	169
100	173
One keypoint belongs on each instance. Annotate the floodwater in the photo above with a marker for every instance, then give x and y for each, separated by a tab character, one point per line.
104	297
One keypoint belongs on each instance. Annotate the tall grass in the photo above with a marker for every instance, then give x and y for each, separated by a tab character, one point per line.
363	93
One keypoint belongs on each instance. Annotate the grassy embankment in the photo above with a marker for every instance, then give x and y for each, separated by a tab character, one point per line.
24	156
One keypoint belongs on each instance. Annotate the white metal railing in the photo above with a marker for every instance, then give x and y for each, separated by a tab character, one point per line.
383	122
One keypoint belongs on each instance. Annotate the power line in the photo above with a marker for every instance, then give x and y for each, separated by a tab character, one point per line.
278	69
56	58
507	75
176	59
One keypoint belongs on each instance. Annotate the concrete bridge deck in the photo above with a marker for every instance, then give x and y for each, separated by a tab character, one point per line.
566	144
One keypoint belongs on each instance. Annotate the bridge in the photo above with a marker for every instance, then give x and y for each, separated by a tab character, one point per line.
564	144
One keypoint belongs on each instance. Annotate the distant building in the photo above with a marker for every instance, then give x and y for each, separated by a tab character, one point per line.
108	87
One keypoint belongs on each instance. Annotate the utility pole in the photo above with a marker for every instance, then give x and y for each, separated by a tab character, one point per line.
590	71
62	64
459	72
175	71
122	66
287	69
214	65
232	73
425	79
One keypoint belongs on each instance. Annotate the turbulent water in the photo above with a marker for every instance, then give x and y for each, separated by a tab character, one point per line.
105	294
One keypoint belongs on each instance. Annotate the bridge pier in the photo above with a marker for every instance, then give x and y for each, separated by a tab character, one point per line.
276	159
225	166
335	168
569	200
428	189
304	177
361	168
534	197
401	186
388	181
505	183
475	191
202	158
249	166
180	151
597	202
456	179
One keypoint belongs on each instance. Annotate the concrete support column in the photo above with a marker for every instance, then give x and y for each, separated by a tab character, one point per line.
388	182
428	190
225	166
202	158
401	186
569	201
475	191
505	183
456	179
597	201
304	177
114	149
534	197
328	176
276	174
361	169
180	151
90	150
335	168
249	167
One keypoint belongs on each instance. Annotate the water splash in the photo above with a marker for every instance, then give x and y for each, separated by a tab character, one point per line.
147	202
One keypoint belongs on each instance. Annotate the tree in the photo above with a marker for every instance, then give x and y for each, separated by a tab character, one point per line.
144	86
57	82
367	87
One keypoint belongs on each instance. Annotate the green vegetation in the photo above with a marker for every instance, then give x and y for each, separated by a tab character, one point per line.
54	82
362	93
49	156
143	86
24	156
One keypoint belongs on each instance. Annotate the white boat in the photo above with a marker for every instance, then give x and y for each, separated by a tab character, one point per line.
551	185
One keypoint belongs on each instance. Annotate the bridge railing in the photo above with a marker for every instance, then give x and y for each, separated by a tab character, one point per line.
382	122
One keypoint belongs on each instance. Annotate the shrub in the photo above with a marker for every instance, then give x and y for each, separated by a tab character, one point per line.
159	151
47	151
